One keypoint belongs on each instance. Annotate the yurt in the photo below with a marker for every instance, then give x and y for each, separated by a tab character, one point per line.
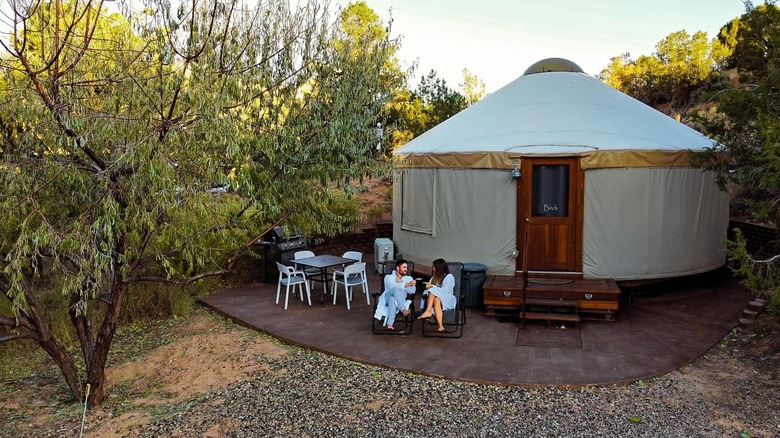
594	183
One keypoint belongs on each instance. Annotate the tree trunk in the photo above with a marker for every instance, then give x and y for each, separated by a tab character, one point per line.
66	364
96	360
96	379
50	345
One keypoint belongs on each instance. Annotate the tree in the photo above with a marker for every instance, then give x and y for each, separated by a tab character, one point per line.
414	112
753	39
746	121
746	124
120	126
364	29
473	87
441	102
681	64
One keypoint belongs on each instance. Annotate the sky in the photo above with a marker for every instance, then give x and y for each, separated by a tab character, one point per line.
499	39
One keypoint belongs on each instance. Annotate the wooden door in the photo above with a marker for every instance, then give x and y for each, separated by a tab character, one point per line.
549	209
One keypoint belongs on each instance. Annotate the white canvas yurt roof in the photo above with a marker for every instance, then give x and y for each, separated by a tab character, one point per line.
554	113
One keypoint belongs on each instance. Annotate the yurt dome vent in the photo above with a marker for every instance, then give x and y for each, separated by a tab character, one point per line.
553	64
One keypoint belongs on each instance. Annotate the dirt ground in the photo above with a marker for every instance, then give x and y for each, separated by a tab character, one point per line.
205	352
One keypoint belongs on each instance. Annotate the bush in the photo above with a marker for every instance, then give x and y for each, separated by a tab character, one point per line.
376	213
762	277
347	211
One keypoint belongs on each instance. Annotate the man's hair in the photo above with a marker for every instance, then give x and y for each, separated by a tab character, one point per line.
400	262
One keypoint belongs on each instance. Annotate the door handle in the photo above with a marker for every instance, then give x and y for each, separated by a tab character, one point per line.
528	221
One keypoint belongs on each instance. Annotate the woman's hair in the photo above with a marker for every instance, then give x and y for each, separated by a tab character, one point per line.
440	270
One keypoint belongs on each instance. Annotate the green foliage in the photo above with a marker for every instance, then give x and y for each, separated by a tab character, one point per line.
754	40
376	212
120	127
681	64
159	300
746	122
442	102
473	87
762	277
413	113
346	210
747	127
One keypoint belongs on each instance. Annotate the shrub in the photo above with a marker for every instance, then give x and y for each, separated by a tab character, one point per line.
376	213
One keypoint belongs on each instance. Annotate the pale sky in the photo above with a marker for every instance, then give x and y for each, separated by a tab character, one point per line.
498	39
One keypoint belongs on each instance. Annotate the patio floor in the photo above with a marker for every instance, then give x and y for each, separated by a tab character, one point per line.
661	330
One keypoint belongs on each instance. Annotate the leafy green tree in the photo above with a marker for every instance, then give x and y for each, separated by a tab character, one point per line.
473	87
681	64
746	124
406	112
119	129
414	112
746	120
441	101
754	40
363	29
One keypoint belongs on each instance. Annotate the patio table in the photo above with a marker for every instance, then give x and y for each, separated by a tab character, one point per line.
323	262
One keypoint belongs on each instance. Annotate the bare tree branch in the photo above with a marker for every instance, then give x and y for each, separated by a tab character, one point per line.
14	323
16	336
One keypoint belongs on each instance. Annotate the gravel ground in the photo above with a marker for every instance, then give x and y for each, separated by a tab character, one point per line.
311	394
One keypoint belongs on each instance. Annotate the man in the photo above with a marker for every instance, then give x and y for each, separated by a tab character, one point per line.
396	286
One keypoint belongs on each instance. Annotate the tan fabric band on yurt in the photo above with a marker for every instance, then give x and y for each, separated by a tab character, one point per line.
503	160
473	160
634	158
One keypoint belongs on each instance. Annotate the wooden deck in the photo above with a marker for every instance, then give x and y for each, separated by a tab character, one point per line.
652	335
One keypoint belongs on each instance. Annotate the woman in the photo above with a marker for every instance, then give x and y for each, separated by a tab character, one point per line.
440	292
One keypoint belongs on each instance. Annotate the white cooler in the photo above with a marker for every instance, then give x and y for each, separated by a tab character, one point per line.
383	251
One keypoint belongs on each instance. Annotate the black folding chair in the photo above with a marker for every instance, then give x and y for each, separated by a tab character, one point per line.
403	324
452	319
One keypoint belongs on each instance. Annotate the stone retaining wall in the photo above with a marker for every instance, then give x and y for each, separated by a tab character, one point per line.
762	241
362	240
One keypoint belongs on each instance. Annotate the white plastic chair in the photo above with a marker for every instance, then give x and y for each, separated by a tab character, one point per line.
354	255
310	272
353	275
288	276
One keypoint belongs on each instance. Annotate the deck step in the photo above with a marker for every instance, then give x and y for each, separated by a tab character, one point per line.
555	302
757	305
551	316
751	314
505	296
745	322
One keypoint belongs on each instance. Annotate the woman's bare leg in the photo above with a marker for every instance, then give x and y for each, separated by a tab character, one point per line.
427	313
439	313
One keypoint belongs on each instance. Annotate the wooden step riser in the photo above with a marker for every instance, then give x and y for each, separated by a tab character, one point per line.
586	300
581	304
551	294
551	316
